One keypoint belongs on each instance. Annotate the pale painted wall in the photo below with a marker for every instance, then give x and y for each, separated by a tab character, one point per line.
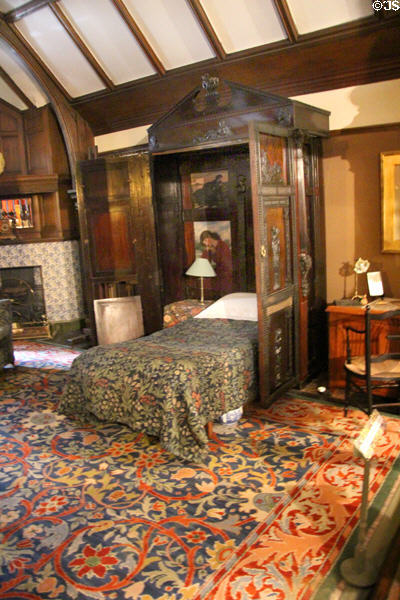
361	106
122	139
351	183
339	229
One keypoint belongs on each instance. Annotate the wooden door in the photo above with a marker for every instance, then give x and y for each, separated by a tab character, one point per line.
275	244
312	265
117	233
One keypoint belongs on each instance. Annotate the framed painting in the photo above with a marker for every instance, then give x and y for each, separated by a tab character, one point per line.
209	189
206	230
213	240
390	201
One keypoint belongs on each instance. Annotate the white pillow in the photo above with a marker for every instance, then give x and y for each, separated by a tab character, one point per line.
239	305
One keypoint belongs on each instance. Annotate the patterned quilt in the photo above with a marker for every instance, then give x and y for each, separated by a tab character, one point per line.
168	384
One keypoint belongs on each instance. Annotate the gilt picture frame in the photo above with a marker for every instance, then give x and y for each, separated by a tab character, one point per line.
390	201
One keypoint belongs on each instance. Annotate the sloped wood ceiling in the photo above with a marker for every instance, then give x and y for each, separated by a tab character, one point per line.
124	63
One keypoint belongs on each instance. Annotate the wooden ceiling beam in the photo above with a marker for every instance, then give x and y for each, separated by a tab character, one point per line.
208	29
133	26
26	9
11	83
317	63
38	61
287	20
77	133
66	23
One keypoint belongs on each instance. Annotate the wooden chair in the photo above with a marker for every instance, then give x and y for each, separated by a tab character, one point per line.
377	368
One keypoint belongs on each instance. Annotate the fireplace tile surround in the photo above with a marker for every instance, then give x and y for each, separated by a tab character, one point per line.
61	275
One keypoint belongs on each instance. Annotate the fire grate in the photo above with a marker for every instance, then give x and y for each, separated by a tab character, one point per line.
24	286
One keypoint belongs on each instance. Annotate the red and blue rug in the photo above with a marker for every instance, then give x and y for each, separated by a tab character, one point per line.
100	511
41	355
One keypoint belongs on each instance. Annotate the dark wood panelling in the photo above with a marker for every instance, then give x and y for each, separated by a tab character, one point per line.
349	56
144	241
117	234
176	217
37	166
218	113
107	208
54	216
76	131
169	221
44	143
275	242
12	141
32	142
268	240
112	252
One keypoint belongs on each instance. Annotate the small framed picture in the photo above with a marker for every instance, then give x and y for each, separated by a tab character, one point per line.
375	285
209	189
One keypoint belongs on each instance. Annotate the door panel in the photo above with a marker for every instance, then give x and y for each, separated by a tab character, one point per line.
313	274
118	233
280	344
109	221
277	226
273	197
112	250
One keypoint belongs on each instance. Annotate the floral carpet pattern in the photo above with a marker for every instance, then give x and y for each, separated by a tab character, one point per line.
28	353
101	511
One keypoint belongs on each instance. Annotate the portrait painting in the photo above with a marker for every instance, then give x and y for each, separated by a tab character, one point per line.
213	241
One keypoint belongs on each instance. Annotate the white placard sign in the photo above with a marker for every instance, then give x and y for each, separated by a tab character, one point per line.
375	285
364	444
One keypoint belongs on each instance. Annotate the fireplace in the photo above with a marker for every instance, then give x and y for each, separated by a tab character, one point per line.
24	286
58	278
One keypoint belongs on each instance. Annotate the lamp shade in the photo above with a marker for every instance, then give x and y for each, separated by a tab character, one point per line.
201	268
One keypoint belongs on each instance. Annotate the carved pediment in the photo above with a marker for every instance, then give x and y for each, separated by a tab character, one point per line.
217	112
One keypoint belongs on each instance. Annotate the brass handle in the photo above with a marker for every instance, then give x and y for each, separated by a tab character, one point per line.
263	251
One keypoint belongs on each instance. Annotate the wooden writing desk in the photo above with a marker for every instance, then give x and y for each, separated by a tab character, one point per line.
341	317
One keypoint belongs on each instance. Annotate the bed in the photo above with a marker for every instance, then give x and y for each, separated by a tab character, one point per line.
174	382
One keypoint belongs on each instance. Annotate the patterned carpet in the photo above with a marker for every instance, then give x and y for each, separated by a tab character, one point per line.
39	355
99	511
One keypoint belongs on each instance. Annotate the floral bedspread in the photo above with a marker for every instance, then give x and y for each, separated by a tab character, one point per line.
168	384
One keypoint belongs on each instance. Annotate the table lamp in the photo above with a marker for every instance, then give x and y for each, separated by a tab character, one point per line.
201	268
